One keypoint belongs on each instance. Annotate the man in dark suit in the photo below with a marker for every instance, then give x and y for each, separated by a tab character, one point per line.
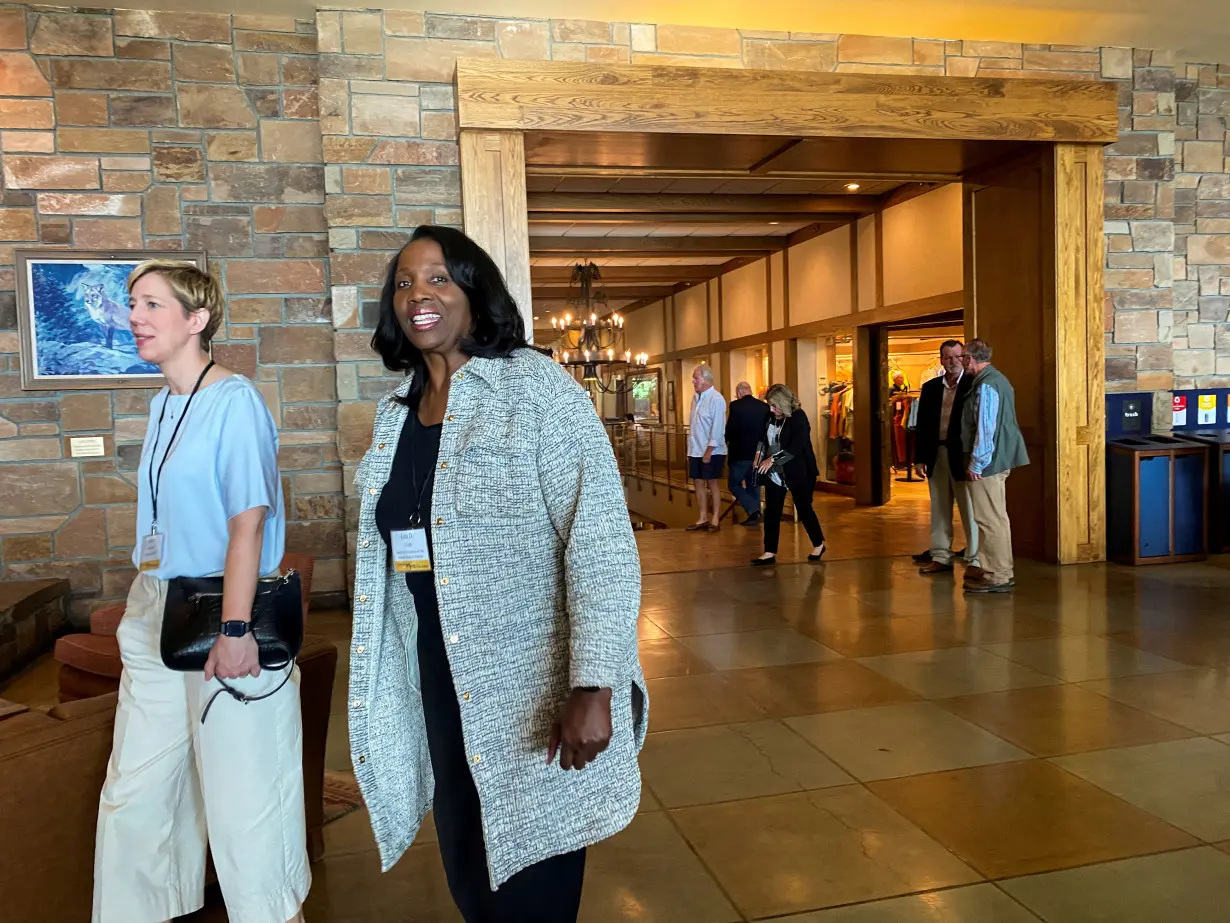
938	454
744	430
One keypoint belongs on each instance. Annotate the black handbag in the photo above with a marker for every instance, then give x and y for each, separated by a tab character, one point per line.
192	621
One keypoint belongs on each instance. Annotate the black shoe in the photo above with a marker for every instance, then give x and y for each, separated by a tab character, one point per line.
764	562
753	520
924	558
817	557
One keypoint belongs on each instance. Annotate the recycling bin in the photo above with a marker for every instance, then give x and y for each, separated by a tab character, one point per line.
1218	447
1157	500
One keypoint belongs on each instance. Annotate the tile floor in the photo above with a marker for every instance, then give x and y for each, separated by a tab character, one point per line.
853	743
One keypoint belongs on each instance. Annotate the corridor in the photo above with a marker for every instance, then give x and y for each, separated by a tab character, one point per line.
854	737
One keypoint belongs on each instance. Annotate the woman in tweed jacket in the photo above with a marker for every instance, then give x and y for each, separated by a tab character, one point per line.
494	671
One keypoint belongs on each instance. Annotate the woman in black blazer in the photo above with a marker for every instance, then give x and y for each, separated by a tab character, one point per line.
786	461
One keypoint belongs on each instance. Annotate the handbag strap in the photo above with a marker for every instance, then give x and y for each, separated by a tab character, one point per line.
241	697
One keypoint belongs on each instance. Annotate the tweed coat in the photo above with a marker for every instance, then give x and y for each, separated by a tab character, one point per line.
538	582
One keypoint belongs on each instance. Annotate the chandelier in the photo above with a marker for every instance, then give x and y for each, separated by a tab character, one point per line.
592	340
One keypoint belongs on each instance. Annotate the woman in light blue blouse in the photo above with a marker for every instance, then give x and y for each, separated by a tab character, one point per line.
209	501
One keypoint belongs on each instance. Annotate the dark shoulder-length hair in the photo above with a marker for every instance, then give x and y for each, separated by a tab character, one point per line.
498	327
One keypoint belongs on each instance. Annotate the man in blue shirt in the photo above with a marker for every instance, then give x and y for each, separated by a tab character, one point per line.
993	446
707	449
744	430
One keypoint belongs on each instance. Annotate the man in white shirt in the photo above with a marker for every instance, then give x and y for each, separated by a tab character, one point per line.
707	448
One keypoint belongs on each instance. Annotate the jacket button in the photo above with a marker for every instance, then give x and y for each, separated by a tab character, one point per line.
381	446
356	703
465	696
360	649
366	543
453	639
476	759
451	418
444	581
439	521
372	491
443	466
362	759
362	599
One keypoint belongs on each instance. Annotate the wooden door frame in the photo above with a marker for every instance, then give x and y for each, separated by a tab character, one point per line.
498	101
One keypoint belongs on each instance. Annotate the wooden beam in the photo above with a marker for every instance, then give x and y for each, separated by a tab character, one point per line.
689	218
905	193
548	275
566	96
654	203
612	292
711	173
657	246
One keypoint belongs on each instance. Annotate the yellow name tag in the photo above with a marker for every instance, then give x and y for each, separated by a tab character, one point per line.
151	552
410	551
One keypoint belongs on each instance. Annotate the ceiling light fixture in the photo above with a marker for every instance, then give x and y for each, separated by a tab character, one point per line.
853	187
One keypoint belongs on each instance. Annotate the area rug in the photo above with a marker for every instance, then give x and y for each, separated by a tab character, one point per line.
341	795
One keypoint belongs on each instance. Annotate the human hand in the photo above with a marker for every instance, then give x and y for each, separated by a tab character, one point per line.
582	730
974	476
765	466
233	658
708	456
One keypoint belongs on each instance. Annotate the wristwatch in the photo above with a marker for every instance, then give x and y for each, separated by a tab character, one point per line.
235	628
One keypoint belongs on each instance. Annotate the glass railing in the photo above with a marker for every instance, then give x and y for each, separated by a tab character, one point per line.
655	452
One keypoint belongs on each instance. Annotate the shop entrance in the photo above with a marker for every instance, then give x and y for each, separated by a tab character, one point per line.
736	164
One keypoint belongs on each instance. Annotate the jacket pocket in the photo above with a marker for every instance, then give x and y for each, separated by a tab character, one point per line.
496	485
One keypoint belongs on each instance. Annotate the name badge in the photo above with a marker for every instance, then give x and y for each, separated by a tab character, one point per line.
410	553
151	552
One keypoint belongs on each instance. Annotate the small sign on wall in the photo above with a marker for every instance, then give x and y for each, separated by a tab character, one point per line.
1206	409
1180	410
87	447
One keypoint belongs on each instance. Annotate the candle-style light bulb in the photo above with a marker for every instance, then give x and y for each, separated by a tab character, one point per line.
593	318
610	353
565	357
553	323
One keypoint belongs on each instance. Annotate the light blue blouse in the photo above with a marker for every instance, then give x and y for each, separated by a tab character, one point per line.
224	461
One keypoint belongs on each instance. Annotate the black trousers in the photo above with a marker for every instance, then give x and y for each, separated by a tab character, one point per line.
548	891
775	502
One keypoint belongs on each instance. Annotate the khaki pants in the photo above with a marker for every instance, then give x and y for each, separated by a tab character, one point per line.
944	490
173	783
989	503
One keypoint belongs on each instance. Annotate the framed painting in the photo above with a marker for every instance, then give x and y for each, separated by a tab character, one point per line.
72	319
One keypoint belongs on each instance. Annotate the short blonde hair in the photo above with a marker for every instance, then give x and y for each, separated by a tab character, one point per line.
783	399
195	290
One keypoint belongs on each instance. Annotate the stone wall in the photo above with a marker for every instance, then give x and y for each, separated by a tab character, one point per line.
167	131
190	130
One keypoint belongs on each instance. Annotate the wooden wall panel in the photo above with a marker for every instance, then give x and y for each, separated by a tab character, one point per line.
493	200
1079	354
564	96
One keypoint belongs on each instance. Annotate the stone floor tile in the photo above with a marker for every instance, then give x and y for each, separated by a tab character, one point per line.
902	740
812	688
1083	657
813	850
971	904
667	657
955	671
1020	818
1057	720
695	701
729	762
1195	699
750	649
705	619
875	637
1190	886
1184	782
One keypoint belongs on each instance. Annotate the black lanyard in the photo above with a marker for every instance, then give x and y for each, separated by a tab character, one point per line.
155	484
416	517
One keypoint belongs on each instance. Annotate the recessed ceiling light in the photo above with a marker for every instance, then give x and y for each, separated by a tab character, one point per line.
853	187
774	222
535	317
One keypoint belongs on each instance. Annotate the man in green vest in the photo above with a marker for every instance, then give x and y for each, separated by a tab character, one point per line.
993	446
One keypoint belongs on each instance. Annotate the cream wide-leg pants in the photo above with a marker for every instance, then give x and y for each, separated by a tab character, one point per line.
174	783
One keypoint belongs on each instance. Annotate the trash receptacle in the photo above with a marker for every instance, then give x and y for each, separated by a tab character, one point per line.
1157	500
1218	447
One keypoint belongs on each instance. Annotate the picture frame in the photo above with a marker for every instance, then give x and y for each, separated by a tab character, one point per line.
72	318
670	397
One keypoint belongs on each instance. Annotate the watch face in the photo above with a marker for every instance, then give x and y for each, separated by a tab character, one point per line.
234	629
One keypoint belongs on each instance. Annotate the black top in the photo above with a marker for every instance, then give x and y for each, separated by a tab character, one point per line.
409	490
745	428
927	439
802	470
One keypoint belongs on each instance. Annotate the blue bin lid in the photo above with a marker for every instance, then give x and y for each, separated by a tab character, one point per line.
1209	436
1153	443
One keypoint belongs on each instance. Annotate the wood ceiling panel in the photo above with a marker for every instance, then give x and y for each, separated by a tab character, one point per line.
660	151
904	157
626	205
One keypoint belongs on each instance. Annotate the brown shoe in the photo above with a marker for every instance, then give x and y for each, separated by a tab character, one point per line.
697	527
712	527
982	586
974	574
935	567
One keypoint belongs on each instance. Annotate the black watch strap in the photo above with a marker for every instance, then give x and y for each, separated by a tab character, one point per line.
235	628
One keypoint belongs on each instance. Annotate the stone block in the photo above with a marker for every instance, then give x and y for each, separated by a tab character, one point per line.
125	182
26	113
430	60
267	104
109	489
206	63
1120	369
102	140
231	146
179	165
404	22
107	233
266	183
355	420
310	384
290	142
359	211
362	33
85	412
254	311
427	186
1203	156
185	27
1200	336
258	277
143	111
1208	249
18	224
354	345
350	67
1153	235
1062	61
142	49
162	214
296	345
418	153
1136	327
32	411
697	40
307	310
26	548
1214	309
294	219
301	104
72	34
323	538
310	417
86	203
40	489
1214	187
524	41
259	70
79	74
122	526
1192	362
992	49
219	236
328	32
220	106
84	535
81	108
443	25
581	30
22	76
30	449
803	56
13	27
384	116
239	357
317	507
265	23
358	268
643	37
285	42
366	181
868	49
